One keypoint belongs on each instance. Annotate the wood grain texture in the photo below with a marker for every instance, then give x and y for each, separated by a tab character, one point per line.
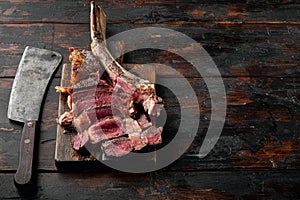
141	11
160	185
255	45
238	50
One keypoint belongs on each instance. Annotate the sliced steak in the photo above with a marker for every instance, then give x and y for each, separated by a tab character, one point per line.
108	104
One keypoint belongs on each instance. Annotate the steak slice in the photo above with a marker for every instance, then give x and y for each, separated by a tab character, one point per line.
117	147
135	141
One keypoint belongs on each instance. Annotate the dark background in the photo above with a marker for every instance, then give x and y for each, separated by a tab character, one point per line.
256	48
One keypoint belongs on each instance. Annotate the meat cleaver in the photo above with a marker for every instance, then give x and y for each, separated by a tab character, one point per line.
33	75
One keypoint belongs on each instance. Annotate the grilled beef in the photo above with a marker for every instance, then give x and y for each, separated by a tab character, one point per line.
108	105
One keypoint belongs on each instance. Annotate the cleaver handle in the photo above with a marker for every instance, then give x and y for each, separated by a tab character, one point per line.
24	171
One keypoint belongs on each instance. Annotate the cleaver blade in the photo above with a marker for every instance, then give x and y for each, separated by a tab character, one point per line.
33	75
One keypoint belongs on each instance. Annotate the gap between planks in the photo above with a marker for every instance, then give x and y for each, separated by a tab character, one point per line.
175	23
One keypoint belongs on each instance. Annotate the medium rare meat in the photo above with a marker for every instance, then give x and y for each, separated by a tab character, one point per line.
109	106
117	147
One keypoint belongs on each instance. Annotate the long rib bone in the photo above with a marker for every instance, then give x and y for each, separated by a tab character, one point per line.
145	90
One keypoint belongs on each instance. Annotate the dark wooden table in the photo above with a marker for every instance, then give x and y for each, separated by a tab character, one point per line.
257	50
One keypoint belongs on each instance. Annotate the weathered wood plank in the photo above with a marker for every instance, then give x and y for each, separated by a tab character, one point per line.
262	126
160	185
150	11
14	38
251	42
238	50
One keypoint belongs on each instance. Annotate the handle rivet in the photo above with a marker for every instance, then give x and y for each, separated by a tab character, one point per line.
29	124
27	141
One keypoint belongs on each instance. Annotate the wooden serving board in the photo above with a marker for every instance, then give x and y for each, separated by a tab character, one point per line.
65	156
